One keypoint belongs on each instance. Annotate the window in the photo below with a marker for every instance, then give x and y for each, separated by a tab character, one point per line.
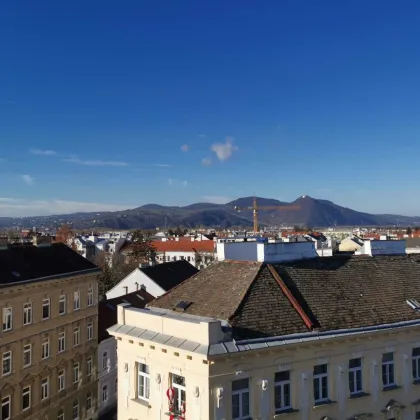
61	341
61	380
105	393
355	376
7	319
90	296
44	388
418	415
45	308
6	408
7	363
76	336
27	355
105	360
320	383
76	302
90	331
116	385
27	313
26	398
178	384
88	401
60	414
143	381
282	391
89	366
240	399
416	363
189	259
388	369
76	373
45	348
62	305
75	410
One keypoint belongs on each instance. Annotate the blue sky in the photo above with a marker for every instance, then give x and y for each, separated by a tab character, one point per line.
106	106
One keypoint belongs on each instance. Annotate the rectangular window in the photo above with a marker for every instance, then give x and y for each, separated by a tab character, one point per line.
89	366
88	402
388	369
45	309
143	381
60	414
282	391
105	360
45	348
76	410
76	373
27	313
44	388
27	355
178	384
76	302
90	296
7	319
355	376
61	380
418	415
105	393
320	383
6	408
61	342
7	363
240	399
90	331
416	363
76	336
26	398
62	305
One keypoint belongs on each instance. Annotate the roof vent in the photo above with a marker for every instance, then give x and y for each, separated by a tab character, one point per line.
412	303
183	305
16	274
140	297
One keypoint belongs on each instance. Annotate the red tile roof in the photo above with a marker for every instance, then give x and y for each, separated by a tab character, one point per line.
184	245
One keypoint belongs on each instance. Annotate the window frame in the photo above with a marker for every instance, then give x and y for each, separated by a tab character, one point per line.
61	380
7	318
29	393
88	401
27	313
62	299
60	415
283	385
240	394
61	342
90	296
105	393
143	372
76	301
76	336
90	331
45	388
3	404
318	379
26	351
388	370
105	359
353	377
89	366
46	303
415	364
45	345
75	409
8	358
76	373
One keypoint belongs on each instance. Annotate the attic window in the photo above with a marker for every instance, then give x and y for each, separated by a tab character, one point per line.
140	297
16	274
183	305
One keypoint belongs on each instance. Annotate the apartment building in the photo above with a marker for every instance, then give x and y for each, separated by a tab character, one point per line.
333	338
48	337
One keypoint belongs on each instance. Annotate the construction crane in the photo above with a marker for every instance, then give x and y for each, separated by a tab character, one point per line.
256	208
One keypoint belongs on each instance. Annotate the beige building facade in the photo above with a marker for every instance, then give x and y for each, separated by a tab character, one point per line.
371	374
48	336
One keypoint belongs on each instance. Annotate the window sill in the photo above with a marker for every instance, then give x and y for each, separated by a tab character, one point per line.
322	403
144	403
280	413
357	395
390	388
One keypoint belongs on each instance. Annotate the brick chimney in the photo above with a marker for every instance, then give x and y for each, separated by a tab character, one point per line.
41	241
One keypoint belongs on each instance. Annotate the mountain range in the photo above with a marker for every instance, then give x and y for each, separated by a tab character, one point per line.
312	212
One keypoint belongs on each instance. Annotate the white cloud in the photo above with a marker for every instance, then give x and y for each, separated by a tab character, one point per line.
216	199
224	150
177	183
43	152
185	147
185	184
28	179
78	161
15	207
206	161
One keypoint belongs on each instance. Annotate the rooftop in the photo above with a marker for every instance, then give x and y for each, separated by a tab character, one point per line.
262	300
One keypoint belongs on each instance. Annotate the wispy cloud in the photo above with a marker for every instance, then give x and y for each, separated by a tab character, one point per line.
216	199
177	183
206	161
20	207
170	181
185	148
163	165
225	150
78	161
43	152
185	184
28	179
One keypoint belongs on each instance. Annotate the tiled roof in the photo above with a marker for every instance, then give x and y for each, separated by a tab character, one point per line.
334	292
28	262
169	275
184	245
108	310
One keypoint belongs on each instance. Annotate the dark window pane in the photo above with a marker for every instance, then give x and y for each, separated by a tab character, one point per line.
240	384
320	369
282	376
416	351
245	404
355	363
235	406
387	357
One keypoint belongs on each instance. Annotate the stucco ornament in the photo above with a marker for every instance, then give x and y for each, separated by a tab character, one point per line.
219	393
196	391
125	367
158	378
264	384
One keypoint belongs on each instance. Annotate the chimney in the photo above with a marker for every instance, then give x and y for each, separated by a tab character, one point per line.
3	242
41	241
126	290
137	285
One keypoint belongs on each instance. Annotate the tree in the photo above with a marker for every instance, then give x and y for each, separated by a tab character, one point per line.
142	250
64	234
